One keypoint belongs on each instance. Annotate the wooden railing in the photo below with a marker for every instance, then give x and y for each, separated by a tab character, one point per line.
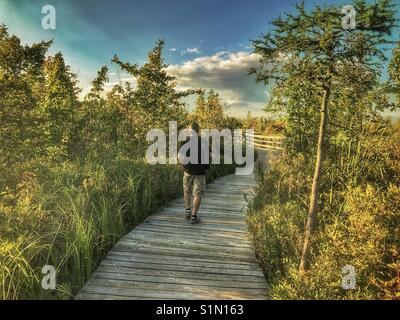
265	142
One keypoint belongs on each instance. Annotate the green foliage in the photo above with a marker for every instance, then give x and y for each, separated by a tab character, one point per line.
263	125
366	236
21	79
209	112
59	104
309	52
359	222
326	81
73	176
155	99
70	217
394	73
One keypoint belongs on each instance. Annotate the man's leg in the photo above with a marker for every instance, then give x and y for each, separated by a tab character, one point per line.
196	205
186	195
199	188
187	191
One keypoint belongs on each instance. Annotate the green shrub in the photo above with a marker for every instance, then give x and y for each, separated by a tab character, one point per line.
366	237
277	233
358	224
363	232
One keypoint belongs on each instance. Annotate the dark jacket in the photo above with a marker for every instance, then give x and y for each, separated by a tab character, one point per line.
197	169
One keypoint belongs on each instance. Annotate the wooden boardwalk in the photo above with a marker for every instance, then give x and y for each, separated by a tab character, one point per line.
167	258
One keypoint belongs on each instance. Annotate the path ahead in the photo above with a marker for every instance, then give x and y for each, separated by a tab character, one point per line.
167	258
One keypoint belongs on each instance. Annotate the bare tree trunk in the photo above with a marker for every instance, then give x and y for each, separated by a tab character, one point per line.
314	194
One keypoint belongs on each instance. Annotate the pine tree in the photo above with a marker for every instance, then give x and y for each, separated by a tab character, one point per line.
155	95
314	48
200	108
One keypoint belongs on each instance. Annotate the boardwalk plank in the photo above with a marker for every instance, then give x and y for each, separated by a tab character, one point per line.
203	293
188	245
193	260
126	281
128	245
216	242
170	261
118	261
161	275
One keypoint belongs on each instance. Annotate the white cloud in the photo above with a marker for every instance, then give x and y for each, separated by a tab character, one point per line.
172	49
227	73
191	51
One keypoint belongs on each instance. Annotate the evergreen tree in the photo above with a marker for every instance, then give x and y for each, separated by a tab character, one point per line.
209	112
314	49
155	95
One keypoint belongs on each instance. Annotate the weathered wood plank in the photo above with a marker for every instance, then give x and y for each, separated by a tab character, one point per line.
193	260
188	244
203	293
119	261
126	281
100	296
173	261
223	235
216	242
200	228
128	245
211	216
159	275
207	209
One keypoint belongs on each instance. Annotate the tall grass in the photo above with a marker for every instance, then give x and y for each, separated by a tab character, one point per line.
69	215
16	270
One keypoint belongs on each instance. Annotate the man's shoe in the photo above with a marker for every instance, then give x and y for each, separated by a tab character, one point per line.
194	220
188	214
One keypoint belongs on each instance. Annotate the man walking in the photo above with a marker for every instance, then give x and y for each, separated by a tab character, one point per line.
194	179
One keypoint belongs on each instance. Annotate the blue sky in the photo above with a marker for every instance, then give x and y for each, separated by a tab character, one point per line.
207	41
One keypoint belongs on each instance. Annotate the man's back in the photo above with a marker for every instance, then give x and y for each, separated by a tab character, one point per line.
198	168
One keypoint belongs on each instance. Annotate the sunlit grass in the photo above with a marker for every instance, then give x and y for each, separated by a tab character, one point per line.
70	215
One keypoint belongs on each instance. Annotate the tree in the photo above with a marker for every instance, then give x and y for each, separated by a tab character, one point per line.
92	129
98	85
154	101
200	108
60	103
394	73
155	95
21	83
314	48
209	111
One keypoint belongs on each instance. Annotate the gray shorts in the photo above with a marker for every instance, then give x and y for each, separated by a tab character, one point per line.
196	185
